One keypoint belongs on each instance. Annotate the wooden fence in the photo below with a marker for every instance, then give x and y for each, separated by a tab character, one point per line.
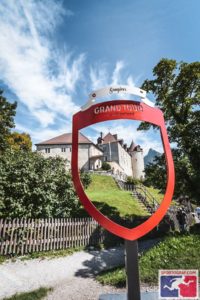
21	236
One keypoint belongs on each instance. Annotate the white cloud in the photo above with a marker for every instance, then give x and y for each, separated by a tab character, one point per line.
116	76
39	135
98	77
44	78
27	58
101	77
130	81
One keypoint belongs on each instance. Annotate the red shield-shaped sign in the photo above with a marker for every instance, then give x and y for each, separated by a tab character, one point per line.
114	110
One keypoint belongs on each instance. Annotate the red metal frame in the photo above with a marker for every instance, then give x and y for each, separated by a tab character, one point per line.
114	110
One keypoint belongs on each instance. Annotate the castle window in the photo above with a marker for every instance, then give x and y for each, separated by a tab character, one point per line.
47	150
63	149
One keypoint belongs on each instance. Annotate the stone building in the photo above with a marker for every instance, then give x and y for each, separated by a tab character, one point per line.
124	160
90	156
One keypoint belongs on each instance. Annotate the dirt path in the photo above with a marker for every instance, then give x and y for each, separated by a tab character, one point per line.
71	276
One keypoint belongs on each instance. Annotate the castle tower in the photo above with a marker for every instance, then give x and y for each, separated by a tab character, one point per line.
137	159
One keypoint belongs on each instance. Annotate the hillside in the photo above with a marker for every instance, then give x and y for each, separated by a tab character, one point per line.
113	202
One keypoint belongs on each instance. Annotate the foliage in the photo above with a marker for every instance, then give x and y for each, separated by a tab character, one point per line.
7	113
36	187
106	166
86	179
132	180
155	173
176	88
34	295
180	252
19	141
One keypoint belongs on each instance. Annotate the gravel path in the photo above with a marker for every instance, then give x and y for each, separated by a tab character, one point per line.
71	276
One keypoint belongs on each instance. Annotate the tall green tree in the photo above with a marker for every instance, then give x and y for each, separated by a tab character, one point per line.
7	113
176	88
19	141
36	187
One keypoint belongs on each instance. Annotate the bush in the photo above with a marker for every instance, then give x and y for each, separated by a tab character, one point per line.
106	166
132	180
35	187
86	179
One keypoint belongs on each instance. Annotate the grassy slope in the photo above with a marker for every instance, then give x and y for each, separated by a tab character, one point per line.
155	193
105	194
181	252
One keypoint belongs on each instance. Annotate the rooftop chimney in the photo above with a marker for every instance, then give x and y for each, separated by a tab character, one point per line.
100	139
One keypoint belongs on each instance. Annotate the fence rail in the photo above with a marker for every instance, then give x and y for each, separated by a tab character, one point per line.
21	236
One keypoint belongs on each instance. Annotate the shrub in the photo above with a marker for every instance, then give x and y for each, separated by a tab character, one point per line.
36	187
132	180
86	179
106	166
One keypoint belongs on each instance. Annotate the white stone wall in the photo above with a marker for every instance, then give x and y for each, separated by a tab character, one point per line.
83	156
138	164
85	151
125	161
94	151
56	150
117	170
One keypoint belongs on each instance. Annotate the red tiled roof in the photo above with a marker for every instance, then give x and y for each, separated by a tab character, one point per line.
109	138
65	138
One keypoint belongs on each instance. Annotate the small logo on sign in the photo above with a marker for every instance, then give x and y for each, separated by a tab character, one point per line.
178	284
117	89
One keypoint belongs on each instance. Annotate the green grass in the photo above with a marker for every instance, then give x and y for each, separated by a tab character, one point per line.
180	252
158	195
106	195
3	259
34	295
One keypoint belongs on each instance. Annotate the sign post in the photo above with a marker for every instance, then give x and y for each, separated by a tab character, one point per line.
132	270
142	110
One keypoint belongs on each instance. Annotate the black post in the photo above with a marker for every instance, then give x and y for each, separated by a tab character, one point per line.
132	270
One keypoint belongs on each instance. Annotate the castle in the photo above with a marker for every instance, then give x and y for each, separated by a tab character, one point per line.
124	161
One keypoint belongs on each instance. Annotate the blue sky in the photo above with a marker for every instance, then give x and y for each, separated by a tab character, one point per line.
54	53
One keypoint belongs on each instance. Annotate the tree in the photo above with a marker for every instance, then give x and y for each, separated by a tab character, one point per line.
7	113
86	179
106	166
176	88
19	141
36	187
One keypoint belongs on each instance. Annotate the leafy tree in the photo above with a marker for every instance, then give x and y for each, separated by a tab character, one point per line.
19	141
7	113
176	88
132	180
86	179
106	166
32	186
